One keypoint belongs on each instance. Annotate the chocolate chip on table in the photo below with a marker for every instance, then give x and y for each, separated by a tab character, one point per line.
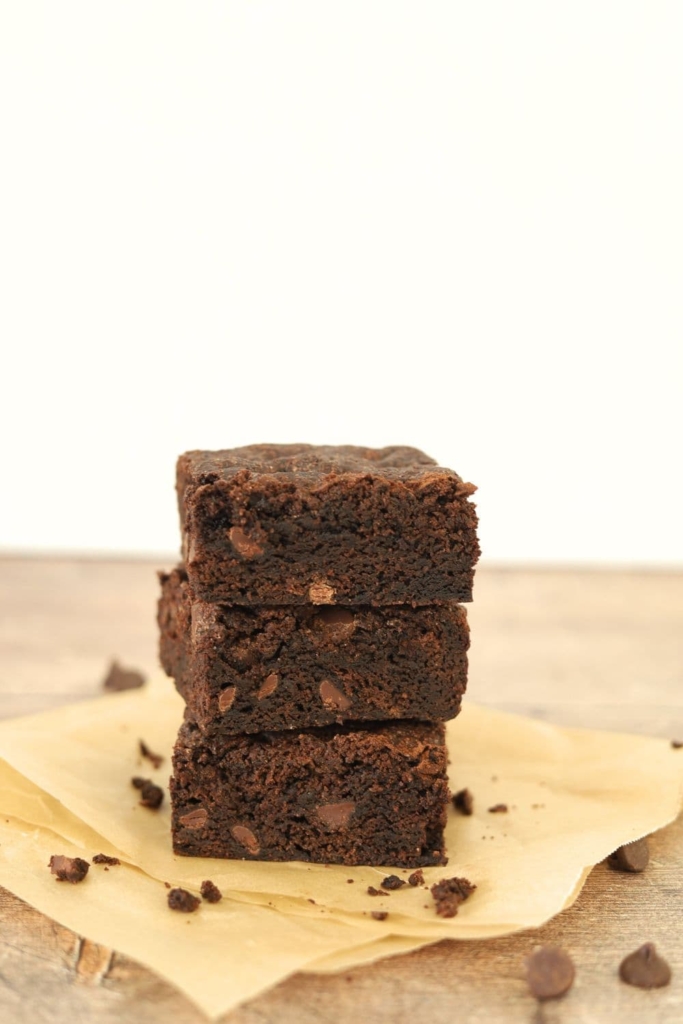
68	869
633	857
182	900
118	679
393	882
102	858
498	809
463	801
645	968
156	759
417	878
550	972
210	892
449	893
379	915
151	795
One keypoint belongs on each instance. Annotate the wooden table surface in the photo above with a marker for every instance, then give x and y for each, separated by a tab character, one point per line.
595	648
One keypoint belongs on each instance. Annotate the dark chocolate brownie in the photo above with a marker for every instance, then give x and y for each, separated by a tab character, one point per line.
372	794
299	666
299	524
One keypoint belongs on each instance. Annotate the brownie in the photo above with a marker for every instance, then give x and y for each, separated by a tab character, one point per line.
369	794
299	524
298	666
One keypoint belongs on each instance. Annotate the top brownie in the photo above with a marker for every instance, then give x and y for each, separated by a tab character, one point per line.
299	524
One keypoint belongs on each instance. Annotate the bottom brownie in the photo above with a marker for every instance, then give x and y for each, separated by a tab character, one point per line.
374	794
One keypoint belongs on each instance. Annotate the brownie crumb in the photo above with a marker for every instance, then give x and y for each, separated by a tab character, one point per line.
102	858
374	892
68	869
182	900
350	881
417	878
311	900
463	801
167	884
393	882
633	857
151	795
118	679
498	809
156	759
549	972
379	915
645	968
676	744
449	893
210	892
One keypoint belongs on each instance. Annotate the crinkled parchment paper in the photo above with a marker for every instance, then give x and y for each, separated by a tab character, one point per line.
572	796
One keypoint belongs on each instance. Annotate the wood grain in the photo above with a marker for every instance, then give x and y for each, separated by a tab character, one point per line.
599	648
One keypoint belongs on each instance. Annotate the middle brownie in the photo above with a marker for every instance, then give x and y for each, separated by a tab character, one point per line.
243	670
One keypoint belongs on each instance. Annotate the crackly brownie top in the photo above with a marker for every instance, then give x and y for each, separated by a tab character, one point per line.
308	461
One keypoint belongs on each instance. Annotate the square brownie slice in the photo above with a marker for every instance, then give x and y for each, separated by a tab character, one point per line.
299	524
246	669
373	794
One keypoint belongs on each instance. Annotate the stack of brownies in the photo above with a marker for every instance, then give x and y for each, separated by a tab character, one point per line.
315	633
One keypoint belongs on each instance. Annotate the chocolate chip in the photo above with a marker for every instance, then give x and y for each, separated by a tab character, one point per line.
102	858
676	744
68	869
156	759
210	892
268	686
334	624
245	544
498	809
118	679
449	893
246	838
151	795
633	857
393	882
417	878
227	698
374	892
379	915
549	972
194	819
332	698
463	801
336	815
182	900
320	593
645	968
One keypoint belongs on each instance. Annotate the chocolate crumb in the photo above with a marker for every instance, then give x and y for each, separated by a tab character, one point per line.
118	679
311	901
102	858
633	857
156	759
68	869
449	893
463	801
676	744
167	884
379	915
417	878
374	892
645	968
182	900
549	972
350	881
210	892
393	882
151	795
498	809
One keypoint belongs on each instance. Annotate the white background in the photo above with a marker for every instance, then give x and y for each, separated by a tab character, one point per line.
453	225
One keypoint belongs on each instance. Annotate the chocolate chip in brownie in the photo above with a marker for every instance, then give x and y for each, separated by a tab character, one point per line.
151	795
550	972
498	809
210	892
227	698
246	838
102	858
379	915
194	819
645	968
417	878
156	759
268	686
248	545
334	624
393	882
332	698
182	900
336	815
449	893
633	857
68	869
118	679
463	801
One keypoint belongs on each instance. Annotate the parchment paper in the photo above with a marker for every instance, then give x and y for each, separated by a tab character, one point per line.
573	797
